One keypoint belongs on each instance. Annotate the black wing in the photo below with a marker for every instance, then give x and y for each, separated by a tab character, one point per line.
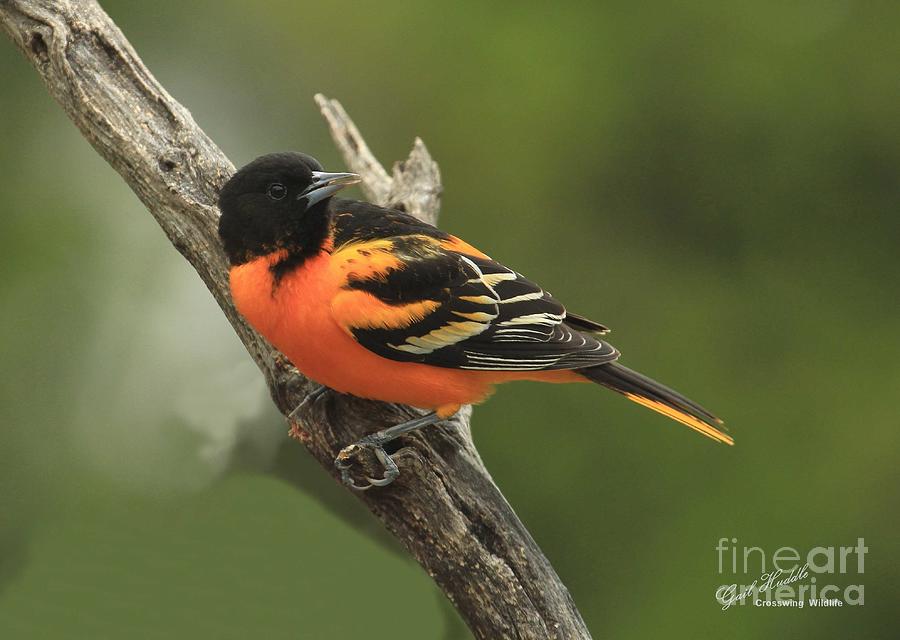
480	315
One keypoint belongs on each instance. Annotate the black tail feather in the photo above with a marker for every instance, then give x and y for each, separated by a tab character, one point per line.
650	393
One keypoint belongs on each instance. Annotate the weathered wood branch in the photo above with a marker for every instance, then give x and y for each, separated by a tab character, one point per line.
444	508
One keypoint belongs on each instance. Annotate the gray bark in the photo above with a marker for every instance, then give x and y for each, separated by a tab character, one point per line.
444	508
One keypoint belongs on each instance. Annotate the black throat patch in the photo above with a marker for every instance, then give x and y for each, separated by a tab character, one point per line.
305	242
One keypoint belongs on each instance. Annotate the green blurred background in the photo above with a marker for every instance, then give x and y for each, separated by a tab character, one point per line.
715	181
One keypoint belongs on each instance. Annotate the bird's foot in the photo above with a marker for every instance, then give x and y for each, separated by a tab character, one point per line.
348	455
311	399
374	444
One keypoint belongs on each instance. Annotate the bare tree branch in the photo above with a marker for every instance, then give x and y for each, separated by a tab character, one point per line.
444	508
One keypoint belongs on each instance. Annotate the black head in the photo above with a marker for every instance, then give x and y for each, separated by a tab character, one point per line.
278	201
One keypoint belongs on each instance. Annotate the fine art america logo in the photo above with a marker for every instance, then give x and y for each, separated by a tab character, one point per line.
822	577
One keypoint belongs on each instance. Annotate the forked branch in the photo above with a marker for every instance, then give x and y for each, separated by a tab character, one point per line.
444	508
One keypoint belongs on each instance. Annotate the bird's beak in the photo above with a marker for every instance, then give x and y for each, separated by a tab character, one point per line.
325	185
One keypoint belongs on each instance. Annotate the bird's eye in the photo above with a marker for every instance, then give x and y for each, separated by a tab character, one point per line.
276	191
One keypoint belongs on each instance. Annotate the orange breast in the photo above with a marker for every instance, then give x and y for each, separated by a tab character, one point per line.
296	318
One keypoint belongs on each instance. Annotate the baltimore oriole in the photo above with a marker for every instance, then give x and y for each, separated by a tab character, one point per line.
376	303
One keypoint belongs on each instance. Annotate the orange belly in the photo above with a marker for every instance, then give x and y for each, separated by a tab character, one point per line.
296	318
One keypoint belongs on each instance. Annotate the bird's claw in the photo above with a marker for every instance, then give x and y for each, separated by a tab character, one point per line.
374	444
345	459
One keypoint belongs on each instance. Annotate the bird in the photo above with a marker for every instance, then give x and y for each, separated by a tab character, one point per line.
373	302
